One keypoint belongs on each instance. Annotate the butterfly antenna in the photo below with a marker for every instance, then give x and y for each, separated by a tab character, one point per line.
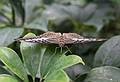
68	49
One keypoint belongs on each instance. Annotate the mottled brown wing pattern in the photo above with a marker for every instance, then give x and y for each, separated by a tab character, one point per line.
71	38
52	37
48	37
58	38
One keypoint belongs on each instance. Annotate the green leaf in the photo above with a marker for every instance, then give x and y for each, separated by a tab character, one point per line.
39	23
59	76
7	78
108	53
104	74
8	35
31	53
66	61
50	56
72	2
13	62
54	60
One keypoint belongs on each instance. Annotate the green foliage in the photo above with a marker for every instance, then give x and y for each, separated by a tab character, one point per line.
7	78
108	53
8	35
50	62
13	62
104	74
91	18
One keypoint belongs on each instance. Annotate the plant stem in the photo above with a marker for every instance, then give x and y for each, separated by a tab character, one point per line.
33	79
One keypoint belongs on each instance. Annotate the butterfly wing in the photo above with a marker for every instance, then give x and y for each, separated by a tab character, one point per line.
48	37
52	37
71	38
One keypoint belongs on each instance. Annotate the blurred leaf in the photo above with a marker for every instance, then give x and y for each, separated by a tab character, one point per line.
1	5
31	53
34	20
58	13
7	78
5	12
32	8
13	62
75	71
8	35
18	12
116	1
39	23
72	2
104	74
108	53
59	76
101	16
86	51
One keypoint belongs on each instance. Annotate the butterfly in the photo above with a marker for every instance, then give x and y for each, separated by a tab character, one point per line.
58	38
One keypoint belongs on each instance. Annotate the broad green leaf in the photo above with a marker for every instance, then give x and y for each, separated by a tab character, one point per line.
31	53
108	53
51	55
8	35
104	74
58	76
7	78
66	61
39	23
54	60
13	62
